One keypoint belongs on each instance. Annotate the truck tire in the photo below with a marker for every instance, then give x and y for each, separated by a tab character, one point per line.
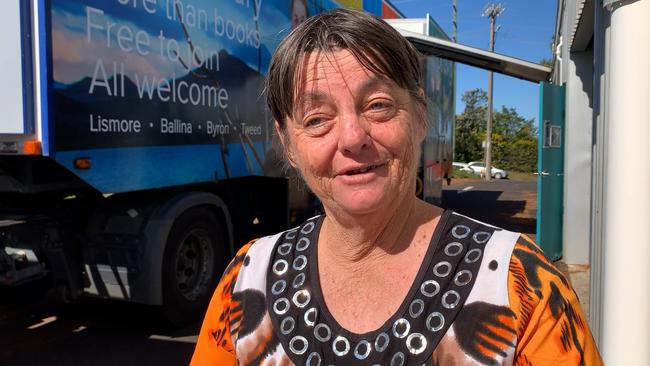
195	255
498	176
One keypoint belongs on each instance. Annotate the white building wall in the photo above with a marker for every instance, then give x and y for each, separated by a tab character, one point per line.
577	157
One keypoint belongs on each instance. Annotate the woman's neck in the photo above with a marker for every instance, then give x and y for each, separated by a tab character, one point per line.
356	240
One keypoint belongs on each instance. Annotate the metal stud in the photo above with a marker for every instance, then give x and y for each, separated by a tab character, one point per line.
291	234
425	288
397	360
416	349
435	327
416	308
346	346
287	325
278	287
462	282
450	304
310	317
280	267
301	298
321	337
281	306
381	342
362	355
299	280
302	244
453	249
481	237
285	248
445	272
473	255
303	347
460	231
299	263
314	359
308	228
404	325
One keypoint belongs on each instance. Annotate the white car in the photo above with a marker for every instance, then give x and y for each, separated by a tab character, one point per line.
478	167
461	166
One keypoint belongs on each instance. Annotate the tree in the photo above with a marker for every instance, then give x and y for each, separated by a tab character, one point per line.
514	138
470	126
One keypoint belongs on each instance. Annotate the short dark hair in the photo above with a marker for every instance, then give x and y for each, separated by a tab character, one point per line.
375	44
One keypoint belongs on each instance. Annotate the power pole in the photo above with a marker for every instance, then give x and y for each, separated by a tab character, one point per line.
455	23
492	11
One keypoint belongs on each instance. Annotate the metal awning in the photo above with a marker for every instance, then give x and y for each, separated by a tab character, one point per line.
477	57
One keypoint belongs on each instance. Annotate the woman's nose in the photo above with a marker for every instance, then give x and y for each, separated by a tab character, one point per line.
354	135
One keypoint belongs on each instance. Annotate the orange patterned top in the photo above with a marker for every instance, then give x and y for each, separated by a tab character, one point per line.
466	308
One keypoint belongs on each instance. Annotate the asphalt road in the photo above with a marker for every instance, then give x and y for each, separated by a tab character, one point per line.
36	329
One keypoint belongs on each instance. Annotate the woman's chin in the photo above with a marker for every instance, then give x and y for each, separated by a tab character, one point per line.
361	203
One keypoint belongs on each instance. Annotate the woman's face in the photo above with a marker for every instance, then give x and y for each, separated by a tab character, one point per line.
354	135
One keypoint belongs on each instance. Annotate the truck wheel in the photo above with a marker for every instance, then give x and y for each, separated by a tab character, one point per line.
195	255
498	176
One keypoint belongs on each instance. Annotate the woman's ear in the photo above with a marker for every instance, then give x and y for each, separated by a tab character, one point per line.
286	148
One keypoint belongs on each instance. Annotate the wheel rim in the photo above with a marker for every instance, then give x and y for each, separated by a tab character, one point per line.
194	264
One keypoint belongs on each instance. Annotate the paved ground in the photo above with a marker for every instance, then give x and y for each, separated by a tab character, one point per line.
37	330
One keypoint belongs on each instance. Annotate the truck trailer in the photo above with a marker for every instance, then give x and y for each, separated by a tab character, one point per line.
136	151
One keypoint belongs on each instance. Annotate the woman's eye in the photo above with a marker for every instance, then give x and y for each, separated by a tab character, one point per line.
378	105
314	121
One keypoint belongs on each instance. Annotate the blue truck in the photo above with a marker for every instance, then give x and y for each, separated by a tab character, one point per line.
136	152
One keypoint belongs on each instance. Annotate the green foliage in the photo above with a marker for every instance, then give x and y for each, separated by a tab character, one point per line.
470	126
514	138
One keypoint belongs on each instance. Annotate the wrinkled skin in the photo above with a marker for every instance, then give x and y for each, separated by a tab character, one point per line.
347	119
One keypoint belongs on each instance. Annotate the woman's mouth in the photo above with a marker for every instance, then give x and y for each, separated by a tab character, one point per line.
362	170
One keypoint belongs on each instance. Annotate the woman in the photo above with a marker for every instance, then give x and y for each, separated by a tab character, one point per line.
382	277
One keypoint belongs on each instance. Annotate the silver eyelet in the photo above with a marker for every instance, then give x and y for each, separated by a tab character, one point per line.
457	278
463	234
447	270
280	267
292	345
278	287
364	355
319	336
285	248
481	237
346	348
426	284
299	263
473	256
306	297
446	303
381	342
436	327
308	228
311	313
401	322
302	244
285	307
287	325
420	308
416	350
457	249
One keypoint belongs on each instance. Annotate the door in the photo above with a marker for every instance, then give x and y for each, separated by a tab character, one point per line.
550	170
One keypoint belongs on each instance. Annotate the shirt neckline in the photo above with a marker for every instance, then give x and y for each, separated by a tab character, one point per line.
317	292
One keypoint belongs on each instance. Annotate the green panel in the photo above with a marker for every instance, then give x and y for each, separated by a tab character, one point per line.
550	169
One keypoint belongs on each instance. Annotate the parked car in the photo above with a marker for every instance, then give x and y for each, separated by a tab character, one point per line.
478	167
461	166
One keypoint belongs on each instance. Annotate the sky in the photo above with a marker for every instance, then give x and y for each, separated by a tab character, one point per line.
526	31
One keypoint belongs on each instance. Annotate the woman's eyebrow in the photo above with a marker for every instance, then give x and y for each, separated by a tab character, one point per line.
305	100
373	83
